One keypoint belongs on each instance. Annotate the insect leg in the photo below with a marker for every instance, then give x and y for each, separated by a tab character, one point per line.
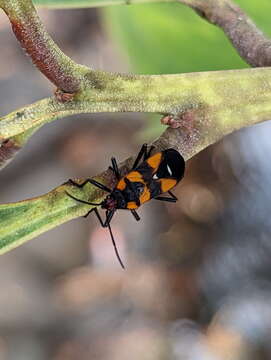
91	181
142	153
162	198
148	154
135	215
99	217
87	214
115	168
109	215
84	202
172	195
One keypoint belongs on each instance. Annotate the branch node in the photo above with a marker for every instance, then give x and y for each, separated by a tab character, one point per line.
172	121
63	96
7	150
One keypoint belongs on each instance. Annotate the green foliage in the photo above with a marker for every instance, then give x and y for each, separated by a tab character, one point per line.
26	219
68	4
65	3
41	214
166	38
158	38
171	38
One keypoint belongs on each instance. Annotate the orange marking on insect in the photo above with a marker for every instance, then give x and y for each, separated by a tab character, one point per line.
154	161
145	196
134	176
121	184
131	205
167	184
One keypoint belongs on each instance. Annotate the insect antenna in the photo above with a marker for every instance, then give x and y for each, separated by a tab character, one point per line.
114	243
82	201
91	181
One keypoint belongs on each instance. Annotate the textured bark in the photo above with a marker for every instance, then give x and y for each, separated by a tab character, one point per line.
45	54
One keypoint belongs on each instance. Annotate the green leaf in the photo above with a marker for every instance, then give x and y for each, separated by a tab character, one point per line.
171	38
69	4
216	103
26	219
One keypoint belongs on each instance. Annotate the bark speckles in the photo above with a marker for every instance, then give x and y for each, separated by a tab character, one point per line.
98	80
45	54
34	42
183	133
63	97
171	121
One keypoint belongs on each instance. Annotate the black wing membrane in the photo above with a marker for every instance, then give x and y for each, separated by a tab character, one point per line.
172	165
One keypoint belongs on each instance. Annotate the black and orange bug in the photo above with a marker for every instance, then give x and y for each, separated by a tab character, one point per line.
150	176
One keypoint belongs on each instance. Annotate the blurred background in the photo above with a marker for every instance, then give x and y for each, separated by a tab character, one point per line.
197	283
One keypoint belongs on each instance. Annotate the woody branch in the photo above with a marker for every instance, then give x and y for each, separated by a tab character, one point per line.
209	106
252	45
96	91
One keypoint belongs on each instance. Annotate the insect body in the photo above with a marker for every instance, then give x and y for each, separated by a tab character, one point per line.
149	177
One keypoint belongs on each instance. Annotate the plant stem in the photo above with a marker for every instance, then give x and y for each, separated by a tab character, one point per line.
222	101
252	45
45	54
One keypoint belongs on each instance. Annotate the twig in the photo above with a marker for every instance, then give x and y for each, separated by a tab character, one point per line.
209	105
84	90
45	54
252	45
